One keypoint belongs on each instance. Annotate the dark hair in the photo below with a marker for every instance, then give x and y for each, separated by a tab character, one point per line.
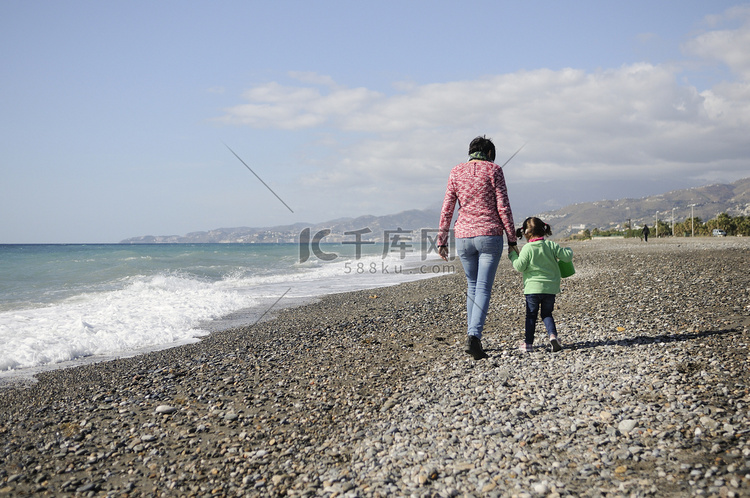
533	227
484	145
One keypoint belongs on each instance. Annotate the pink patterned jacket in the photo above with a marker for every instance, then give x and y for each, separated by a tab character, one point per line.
484	208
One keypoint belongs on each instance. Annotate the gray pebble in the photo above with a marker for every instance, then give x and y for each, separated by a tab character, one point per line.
371	394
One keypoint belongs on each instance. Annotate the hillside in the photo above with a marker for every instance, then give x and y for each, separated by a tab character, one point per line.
707	201
414	219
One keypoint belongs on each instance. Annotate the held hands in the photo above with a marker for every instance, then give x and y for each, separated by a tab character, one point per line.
443	251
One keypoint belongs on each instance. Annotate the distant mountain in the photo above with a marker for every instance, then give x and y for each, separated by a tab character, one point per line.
708	202
413	220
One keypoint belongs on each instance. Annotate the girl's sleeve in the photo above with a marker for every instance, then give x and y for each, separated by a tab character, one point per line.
503	205
446	214
520	262
564	254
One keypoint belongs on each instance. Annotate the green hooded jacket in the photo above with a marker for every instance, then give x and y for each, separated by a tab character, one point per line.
538	263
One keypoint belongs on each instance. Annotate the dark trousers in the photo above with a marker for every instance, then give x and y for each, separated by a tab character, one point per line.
536	303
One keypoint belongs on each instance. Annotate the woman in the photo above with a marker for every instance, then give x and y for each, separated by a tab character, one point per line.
484	215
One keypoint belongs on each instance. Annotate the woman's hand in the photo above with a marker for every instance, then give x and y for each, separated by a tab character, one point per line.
443	252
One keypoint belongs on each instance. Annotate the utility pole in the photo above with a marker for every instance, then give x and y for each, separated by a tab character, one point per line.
630	227
672	222
692	221
656	224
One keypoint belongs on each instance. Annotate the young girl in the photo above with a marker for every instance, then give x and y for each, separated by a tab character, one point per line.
541	278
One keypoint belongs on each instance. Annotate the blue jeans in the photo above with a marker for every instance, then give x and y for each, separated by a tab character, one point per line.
479	257
534	304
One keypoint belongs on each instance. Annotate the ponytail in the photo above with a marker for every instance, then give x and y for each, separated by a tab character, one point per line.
534	227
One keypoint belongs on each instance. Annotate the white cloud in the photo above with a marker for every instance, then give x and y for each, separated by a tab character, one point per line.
729	46
635	121
275	106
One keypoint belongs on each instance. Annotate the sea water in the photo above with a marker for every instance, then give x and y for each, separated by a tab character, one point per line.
66	303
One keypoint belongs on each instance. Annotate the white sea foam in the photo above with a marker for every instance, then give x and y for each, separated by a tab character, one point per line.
135	313
149	312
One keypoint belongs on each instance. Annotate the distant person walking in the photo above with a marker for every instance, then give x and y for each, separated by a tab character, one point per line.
645	232
541	279
484	215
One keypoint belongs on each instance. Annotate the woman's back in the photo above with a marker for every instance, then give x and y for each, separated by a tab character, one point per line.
479	188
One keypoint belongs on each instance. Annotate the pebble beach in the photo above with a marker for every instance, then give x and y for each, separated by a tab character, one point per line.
370	393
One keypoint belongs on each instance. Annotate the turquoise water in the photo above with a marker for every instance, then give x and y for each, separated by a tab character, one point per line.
66	302
34	275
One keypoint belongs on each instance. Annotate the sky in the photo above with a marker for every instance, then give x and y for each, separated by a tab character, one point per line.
121	119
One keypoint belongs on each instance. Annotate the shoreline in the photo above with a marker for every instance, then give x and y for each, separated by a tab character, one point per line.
266	309
369	393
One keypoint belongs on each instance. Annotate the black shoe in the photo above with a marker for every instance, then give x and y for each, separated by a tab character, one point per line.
474	348
556	346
